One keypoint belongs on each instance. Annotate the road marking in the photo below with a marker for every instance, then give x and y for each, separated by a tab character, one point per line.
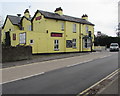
113	73
79	63
105	56
23	78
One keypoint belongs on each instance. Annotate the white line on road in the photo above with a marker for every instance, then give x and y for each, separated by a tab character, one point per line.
79	63
23	77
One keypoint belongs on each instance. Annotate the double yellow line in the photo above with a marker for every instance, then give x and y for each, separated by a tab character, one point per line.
85	92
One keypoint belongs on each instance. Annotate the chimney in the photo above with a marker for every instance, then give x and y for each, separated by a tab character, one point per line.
59	11
85	17
19	17
27	13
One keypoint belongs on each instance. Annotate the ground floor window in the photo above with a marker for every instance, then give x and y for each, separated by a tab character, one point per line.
71	43
31	41
22	38
74	43
68	43
56	45
87	43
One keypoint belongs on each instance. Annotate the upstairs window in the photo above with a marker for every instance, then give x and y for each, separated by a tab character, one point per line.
74	28
86	29
29	28
62	26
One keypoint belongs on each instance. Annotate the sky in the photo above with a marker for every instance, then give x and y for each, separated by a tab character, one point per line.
102	13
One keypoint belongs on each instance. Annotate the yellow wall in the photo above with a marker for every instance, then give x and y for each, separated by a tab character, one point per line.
26	23
70	35
56	28
39	25
83	31
8	26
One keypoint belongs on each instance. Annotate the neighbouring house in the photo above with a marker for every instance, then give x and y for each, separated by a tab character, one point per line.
49	32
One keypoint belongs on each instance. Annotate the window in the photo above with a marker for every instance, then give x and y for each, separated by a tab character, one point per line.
89	34
22	37
86	29
74	43
68	43
29	28
31	41
62	26
56	45
74	28
87	43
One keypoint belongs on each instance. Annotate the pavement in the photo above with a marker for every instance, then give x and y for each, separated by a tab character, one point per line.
41	58
111	88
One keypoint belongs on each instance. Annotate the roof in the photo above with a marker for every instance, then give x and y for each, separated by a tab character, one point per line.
64	17
14	19
27	18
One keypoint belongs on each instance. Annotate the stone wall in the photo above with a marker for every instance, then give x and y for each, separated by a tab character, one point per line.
16	53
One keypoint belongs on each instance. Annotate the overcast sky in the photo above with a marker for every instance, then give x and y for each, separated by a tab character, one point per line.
103	13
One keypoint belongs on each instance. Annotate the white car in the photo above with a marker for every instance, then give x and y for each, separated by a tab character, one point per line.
114	47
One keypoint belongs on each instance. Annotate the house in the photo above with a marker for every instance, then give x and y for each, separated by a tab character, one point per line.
49	32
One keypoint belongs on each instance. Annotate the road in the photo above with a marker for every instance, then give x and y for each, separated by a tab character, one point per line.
67	80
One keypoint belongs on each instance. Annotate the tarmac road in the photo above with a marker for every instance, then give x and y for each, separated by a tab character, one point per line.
68	80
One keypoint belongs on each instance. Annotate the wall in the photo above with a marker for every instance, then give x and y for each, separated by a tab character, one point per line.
69	35
16	53
56	28
26	23
83	31
8	26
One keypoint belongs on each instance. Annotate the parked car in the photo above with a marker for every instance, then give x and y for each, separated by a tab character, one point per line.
114	47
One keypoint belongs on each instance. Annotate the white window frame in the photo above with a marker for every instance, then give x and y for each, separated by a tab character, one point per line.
88	42
62	26
74	28
56	45
22	38
74	43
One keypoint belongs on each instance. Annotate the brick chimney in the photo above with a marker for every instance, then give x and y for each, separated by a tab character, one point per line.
27	13
85	17
59	11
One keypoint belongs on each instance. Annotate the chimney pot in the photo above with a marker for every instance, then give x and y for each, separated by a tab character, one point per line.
18	15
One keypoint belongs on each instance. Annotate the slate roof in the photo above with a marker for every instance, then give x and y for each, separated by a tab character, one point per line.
27	18
64	17
14	19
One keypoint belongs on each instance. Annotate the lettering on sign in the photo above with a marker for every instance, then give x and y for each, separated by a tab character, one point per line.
14	36
38	18
56	34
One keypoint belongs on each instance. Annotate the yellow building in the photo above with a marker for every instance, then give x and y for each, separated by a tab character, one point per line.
49	32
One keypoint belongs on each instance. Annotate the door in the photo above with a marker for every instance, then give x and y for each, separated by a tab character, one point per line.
7	39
